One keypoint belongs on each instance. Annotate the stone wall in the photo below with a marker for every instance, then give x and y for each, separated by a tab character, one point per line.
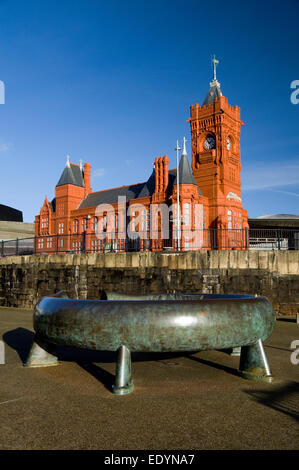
274	274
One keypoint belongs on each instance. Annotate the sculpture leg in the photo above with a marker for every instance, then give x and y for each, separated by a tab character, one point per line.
123	381
254	364
39	356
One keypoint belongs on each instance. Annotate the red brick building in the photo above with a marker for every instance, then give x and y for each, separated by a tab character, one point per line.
211	212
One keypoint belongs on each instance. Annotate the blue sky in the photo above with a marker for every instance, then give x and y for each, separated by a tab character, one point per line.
112	83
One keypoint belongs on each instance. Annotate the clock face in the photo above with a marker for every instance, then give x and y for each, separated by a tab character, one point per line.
228	144
209	142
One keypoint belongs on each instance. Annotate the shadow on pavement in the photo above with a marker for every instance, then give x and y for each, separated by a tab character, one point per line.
275	347
19	339
98	373
230	370
284	399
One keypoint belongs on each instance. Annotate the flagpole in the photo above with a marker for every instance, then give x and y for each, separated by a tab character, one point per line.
178	195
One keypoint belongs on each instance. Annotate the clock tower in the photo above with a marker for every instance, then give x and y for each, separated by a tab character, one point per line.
216	164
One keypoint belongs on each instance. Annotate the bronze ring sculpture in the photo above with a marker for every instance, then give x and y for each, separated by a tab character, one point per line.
155	323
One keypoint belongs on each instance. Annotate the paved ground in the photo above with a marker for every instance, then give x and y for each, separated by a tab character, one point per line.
179	402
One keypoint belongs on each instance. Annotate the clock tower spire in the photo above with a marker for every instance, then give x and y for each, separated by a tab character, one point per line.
215	131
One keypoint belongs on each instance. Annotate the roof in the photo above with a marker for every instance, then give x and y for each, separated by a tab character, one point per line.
110	196
214	92
10	214
275	221
185	172
172	181
140	190
72	174
278	216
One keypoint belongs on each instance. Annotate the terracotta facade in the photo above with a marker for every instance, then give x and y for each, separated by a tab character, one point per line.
209	193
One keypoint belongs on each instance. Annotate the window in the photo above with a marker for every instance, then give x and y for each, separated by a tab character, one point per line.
61	227
40	243
76	226
94	224
84	225
45	222
186	214
77	246
96	246
229	220
238	223
145	219
133	222
104	222
187	242
49	242
148	219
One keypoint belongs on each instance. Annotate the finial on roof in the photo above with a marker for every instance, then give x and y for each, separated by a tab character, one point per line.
68	161
215	63
184	152
81	167
214	91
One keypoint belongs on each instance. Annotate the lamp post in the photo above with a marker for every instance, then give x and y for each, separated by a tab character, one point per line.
178	195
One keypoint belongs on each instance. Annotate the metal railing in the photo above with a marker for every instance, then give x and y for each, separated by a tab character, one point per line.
22	246
191	240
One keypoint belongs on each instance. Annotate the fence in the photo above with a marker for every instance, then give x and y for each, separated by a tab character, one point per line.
205	239
24	246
